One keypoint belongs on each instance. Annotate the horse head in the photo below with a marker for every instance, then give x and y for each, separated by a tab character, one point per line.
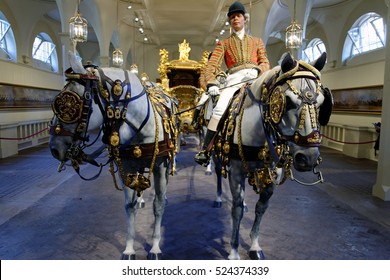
73	108
297	105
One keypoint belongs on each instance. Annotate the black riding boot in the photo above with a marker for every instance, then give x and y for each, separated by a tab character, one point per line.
203	157
195	118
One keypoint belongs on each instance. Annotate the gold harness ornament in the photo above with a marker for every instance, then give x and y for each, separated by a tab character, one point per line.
68	106
277	104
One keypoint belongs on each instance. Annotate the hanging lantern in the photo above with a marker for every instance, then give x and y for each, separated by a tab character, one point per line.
117	58
134	69
294	33
294	36
78	27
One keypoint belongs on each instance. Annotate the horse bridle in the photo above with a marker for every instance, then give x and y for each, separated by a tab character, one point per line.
273	107
71	108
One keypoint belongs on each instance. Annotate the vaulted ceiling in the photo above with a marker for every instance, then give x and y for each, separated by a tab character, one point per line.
199	21
168	22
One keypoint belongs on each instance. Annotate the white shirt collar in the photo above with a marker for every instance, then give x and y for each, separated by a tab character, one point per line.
240	33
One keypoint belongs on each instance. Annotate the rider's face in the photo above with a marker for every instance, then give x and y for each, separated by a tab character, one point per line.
237	21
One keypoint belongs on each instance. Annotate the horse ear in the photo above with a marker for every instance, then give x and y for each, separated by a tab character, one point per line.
75	64
326	107
288	63
320	62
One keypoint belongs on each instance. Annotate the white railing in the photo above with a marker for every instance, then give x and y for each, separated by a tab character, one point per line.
354	141
15	137
32	134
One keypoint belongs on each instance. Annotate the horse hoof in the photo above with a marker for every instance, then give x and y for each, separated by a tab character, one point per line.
256	255
208	173
128	257
217	204
141	205
153	256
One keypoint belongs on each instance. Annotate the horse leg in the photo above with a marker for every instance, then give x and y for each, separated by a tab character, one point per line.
174	164
208	169
131	211
245	207
160	174
141	202
140	199
218	199
237	188
255	251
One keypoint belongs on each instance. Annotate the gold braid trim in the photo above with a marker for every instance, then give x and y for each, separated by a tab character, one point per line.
310	68
239	139
155	141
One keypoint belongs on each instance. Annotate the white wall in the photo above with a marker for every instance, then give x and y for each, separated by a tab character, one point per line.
24	75
370	74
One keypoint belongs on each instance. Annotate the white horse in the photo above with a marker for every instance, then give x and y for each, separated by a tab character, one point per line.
138	131
277	127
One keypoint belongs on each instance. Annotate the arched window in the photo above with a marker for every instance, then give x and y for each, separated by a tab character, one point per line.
7	40
366	34
44	53
313	50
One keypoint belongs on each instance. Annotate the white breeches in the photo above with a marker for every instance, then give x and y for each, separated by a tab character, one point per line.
232	85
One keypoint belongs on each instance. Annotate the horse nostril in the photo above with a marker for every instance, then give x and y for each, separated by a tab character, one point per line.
300	158
301	162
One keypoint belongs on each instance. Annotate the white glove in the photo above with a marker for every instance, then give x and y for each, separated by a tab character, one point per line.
213	90
251	74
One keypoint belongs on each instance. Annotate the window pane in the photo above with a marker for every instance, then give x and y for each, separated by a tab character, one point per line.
7	40
367	34
44	51
314	49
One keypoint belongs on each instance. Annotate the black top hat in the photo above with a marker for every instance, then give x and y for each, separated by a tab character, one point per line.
236	7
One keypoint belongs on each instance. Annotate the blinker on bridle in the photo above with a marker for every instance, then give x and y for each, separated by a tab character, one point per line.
69	107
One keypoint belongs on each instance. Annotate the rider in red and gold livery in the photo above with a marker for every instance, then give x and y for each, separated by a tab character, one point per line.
245	58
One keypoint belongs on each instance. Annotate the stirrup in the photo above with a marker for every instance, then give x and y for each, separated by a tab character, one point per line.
202	158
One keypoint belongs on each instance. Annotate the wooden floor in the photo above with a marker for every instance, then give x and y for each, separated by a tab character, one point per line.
47	215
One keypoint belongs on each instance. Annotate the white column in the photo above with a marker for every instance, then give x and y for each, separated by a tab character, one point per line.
66	47
381	188
67	9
